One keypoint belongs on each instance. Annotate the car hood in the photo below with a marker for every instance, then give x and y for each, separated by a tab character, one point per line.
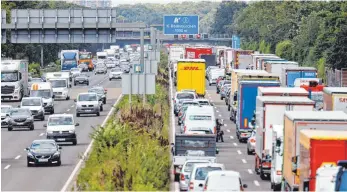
117	73
88	103
20	117
43	151
32	107
61	128
59	89
47	100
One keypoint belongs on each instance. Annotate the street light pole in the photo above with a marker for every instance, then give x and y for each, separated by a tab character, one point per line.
142	61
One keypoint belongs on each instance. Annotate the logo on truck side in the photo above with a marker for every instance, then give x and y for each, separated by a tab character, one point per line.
190	68
343	100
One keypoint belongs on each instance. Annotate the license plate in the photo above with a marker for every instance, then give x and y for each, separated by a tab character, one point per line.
81	81
43	160
88	110
20	123
61	139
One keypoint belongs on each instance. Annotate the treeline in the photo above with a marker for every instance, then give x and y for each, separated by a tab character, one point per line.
311	33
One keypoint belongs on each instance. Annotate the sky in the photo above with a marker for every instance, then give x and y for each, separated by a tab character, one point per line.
117	2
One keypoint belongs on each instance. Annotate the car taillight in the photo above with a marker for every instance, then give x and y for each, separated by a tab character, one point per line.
191	185
215	130
205	188
182	177
185	128
266	164
279	172
180	114
174	101
252	140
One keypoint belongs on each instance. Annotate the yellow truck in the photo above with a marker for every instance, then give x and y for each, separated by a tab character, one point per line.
191	75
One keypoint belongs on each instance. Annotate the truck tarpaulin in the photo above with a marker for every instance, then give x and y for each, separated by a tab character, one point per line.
242	59
210	60
196	52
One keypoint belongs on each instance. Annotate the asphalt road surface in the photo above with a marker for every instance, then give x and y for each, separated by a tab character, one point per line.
231	153
16	176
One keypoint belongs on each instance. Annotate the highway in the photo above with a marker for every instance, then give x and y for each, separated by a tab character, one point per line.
232	153
16	176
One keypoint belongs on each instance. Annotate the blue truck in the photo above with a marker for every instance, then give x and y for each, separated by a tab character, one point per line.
289	74
247	94
69	59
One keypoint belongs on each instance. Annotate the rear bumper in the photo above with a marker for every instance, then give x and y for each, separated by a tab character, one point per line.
244	134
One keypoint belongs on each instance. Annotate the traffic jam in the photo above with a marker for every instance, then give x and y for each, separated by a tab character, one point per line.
290	125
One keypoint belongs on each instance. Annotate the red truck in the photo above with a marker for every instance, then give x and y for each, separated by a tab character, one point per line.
316	148
196	52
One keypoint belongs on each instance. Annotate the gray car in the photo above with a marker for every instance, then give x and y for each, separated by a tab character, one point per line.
88	103
101	92
100	69
20	118
224	90
82	79
251	143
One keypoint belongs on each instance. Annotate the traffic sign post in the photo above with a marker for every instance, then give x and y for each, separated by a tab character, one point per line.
235	42
181	24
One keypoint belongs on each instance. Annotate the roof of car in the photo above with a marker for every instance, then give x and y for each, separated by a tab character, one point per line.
202	100
28	98
208	165
61	115
224	173
87	93
44	140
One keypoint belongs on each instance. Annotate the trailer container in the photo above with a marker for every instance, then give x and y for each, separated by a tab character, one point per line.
242	58
294	122
257	64
276	67
316	94
255	57
196	52
289	74
282	91
335	99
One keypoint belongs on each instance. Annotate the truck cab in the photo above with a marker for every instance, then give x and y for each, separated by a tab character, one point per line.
69	59
14	79
86	58
61	84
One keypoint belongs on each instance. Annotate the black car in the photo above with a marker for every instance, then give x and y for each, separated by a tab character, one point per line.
100	91
43	151
19	118
82	79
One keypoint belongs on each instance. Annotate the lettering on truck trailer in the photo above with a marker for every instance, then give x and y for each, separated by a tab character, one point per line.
190	68
191	55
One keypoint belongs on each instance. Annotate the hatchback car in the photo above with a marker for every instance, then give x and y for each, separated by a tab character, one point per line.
43	151
116	73
185	172
251	143
179	96
20	118
100	91
199	173
224	181
88	103
82	79
35	105
100	69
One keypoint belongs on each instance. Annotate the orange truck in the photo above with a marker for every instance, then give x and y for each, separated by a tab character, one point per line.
294	122
87	58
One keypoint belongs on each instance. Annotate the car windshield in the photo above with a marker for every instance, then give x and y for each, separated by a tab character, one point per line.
58	83
87	97
9	76
200	117
201	173
15	112
31	102
95	90
41	93
35	80
5	109
190	165
116	70
100	66
43	145
53	121
204	103
185	96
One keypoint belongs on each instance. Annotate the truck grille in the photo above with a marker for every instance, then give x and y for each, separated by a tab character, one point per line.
7	89
58	93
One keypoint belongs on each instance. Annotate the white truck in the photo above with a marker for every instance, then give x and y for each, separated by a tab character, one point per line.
111	53
270	111
175	53
101	55
60	84
14	79
116	48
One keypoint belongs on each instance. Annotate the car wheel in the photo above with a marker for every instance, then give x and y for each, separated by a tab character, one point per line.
249	152
94	73
209	84
98	114
101	108
74	142
88	83
228	107
28	164
74	84
9	128
32	127
78	115
110	79
52	112
104	102
43	117
262	174
221	98
59	163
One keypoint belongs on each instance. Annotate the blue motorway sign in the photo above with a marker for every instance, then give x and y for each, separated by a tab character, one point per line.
181	24
235	42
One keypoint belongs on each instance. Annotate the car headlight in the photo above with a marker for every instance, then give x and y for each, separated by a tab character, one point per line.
30	155
49	132
56	154
30	119
72	131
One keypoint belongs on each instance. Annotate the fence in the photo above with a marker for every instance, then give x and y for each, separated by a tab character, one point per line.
336	78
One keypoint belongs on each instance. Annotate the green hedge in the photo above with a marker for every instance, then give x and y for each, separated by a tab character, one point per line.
132	152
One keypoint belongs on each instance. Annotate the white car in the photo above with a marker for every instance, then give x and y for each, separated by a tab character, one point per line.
200	117
204	102
224	181
5	112
61	128
35	105
185	172
199	173
88	103
116	73
100	68
251	143
75	72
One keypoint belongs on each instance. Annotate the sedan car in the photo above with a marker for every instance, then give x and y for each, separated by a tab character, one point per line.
75	72
116	73
83	66
43	151
19	118
5	114
101	92
251	143
100	69
82	79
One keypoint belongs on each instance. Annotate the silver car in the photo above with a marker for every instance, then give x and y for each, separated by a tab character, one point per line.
100	68
251	143
224	90
88	103
185	173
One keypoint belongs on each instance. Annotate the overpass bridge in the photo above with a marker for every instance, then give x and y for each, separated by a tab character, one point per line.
84	26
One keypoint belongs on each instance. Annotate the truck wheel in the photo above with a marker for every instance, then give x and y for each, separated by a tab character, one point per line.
43	117
262	174
32	127
74	142
101	108
78	115
9	128
68	98
87	83
228	107
221	98
276	187
209	84
249	152
52	112
98	114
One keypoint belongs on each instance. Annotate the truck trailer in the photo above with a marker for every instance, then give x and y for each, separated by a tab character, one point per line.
294	122
282	91
289	74
196	52
335	99
242	58
276	67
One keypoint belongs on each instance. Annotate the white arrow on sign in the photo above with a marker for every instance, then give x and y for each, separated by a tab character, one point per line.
168	26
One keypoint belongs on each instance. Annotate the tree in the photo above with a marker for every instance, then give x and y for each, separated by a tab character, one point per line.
284	49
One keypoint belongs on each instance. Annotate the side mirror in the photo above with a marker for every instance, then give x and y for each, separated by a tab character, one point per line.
59	147
77	124
70	85
201	185
212	104
26	149
53	96
75	100
44	125
244	185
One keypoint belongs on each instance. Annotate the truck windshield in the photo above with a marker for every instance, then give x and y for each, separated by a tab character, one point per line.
85	56
101	57
58	83
41	93
9	76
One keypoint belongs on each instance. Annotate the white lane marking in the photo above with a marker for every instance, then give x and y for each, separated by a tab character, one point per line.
228	130
225	125
17	157
256	183
42	134
250	171
217	111
68	110
244	161
239	152
231	137
7	166
79	164
219	115
235	144
215	107
72	105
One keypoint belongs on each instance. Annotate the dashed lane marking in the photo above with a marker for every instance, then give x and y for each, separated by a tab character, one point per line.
42	134
215	107
250	171
235	144
217	111
72	105
219	115
7	166
239	152
256	183
68	110
225	125
228	130
17	157
231	137
244	161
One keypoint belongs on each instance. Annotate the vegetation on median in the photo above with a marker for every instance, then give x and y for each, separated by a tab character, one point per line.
131	152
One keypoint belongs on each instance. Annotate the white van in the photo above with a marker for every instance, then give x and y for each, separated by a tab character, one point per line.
60	82
200	117
224	181
199	173
214	74
61	128
44	90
